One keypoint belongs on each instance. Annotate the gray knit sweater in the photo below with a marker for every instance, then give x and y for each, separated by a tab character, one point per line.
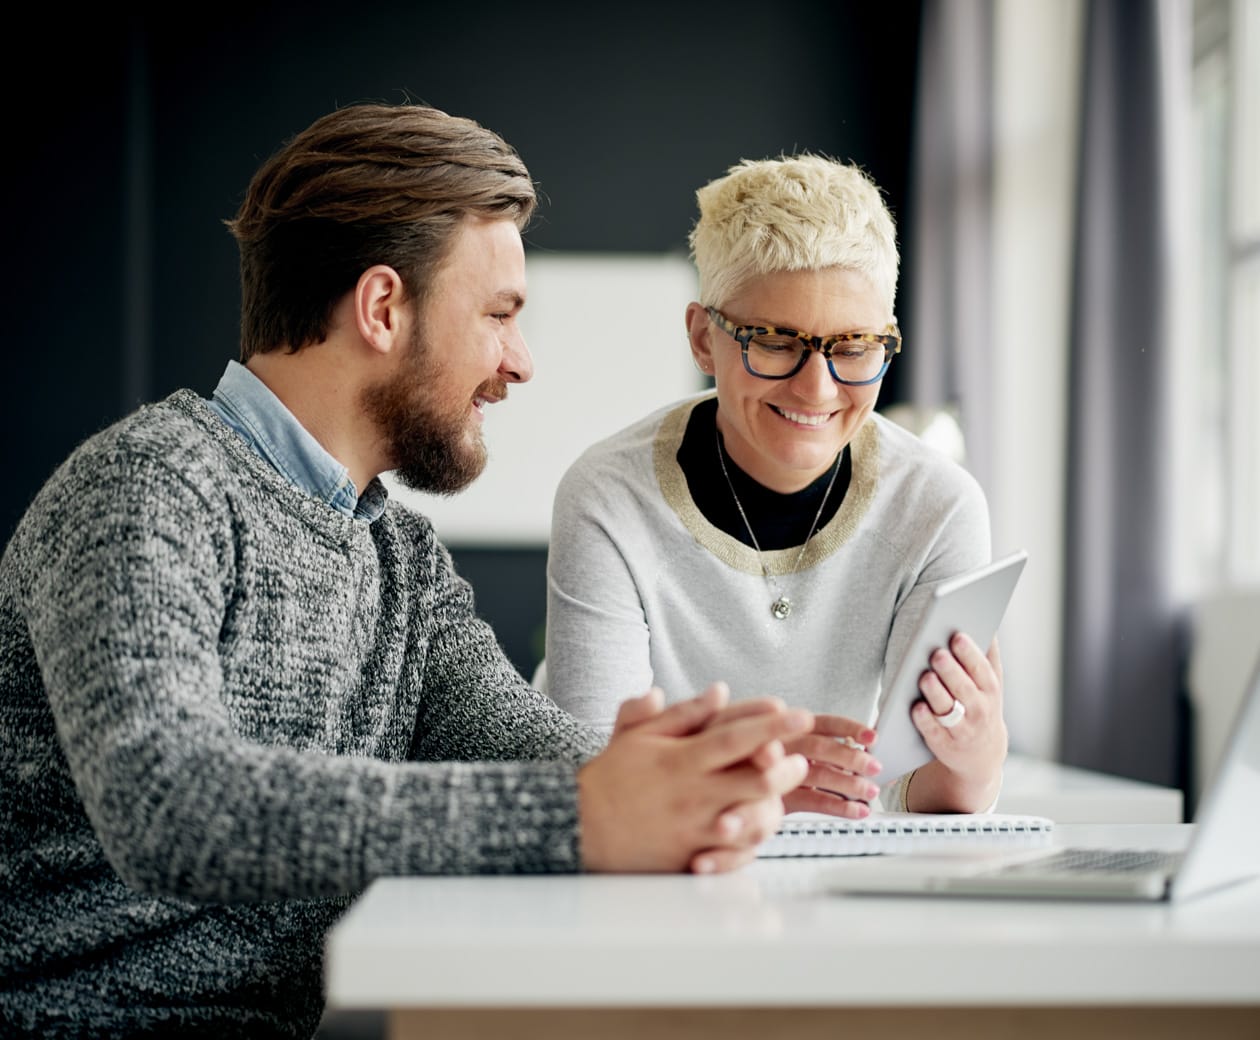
224	709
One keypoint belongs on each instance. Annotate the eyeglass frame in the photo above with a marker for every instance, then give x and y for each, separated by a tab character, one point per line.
890	340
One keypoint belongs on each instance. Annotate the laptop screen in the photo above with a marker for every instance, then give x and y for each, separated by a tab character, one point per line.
1226	843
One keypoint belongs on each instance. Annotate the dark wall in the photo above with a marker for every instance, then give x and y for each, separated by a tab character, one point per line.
136	136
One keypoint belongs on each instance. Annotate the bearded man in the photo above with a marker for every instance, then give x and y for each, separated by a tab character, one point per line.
237	683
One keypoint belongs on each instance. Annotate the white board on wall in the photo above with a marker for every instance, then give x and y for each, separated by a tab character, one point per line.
609	343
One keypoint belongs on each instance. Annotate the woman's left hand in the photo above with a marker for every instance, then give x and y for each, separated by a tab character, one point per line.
960	719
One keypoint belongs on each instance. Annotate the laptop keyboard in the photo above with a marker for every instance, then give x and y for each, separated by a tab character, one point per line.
1099	861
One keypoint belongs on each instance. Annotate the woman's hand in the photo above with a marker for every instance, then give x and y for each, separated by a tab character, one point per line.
969	745
839	767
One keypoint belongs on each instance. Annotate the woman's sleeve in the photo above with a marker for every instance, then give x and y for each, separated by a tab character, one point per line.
597	643
954	538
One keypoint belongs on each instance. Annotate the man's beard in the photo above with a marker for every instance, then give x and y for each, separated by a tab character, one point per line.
430	445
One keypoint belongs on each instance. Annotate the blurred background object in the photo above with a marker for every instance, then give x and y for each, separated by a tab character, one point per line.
1075	186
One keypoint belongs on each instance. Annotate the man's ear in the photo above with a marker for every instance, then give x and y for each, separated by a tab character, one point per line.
381	308
699	329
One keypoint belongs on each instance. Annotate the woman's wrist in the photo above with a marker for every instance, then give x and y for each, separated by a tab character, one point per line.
905	792
940	790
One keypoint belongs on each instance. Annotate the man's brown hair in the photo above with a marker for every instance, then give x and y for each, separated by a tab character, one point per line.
367	184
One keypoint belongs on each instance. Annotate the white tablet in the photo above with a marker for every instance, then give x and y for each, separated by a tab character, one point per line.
973	603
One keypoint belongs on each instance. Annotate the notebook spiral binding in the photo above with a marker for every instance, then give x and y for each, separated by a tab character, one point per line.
817	835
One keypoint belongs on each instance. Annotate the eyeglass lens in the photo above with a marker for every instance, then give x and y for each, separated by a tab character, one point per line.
779	355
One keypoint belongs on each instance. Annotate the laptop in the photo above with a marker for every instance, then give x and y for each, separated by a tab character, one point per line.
1224	848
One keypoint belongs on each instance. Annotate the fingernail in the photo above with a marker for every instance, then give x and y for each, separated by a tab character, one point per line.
873	768
862	810
704	865
867	736
730	824
871	792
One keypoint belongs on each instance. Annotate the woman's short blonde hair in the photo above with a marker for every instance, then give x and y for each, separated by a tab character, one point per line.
795	213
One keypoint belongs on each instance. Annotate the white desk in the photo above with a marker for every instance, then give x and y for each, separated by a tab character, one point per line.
1070	795
766	952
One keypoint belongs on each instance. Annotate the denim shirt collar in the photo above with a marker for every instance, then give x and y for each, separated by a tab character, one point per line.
244	403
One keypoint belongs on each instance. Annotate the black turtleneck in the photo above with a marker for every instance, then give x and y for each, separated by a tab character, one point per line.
779	521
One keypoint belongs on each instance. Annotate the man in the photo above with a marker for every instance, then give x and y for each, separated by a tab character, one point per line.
237	684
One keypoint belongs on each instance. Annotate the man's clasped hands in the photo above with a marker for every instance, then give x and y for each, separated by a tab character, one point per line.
698	785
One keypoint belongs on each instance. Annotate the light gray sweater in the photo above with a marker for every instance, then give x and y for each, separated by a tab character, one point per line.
224	709
643	590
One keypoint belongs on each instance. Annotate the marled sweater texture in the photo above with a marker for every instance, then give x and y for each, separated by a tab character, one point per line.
224	709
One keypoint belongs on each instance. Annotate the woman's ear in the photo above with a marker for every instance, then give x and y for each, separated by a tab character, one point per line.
699	329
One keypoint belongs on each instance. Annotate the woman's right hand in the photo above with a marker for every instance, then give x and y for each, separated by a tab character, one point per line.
839	769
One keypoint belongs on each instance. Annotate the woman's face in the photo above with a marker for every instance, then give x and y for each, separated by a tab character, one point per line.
784	433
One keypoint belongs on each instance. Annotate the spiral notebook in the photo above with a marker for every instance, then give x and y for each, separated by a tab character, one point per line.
816	834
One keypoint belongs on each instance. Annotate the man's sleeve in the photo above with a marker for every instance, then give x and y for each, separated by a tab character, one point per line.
125	611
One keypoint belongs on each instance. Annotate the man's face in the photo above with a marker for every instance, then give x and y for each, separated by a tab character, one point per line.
466	348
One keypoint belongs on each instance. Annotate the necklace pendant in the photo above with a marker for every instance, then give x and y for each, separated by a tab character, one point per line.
781	607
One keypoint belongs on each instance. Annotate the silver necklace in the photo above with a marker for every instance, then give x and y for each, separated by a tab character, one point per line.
782	606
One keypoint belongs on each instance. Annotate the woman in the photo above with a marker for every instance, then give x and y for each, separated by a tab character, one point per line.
778	533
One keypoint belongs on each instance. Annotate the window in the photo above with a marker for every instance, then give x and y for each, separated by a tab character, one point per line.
1219	495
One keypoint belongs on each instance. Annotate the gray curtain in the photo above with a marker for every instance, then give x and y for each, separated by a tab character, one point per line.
948	334
1123	639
